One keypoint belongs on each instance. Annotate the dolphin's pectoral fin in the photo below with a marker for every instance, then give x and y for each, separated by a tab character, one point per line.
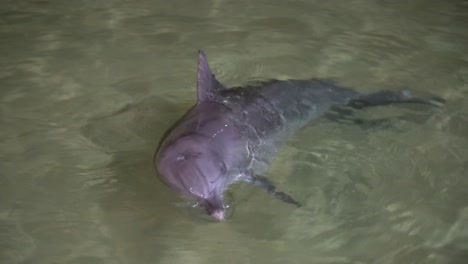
270	188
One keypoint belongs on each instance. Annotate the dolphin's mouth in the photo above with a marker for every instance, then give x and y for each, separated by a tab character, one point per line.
219	215
227	212
215	215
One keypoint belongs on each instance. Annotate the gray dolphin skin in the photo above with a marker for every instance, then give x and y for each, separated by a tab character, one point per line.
232	134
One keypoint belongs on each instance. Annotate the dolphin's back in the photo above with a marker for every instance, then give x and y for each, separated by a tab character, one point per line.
267	113
299	101
280	107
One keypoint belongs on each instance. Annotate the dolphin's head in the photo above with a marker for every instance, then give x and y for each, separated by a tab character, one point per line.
192	167
193	160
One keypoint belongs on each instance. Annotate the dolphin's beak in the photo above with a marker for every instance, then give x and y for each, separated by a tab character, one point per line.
215	208
219	215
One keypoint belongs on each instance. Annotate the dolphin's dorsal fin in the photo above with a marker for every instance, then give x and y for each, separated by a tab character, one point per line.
206	81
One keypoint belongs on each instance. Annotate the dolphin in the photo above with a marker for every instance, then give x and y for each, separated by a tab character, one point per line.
232	134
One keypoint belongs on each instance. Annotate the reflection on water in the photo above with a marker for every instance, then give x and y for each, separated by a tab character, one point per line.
88	88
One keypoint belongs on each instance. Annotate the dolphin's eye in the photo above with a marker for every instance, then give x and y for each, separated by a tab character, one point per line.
222	168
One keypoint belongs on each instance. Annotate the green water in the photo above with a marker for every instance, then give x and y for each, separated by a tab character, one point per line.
87	88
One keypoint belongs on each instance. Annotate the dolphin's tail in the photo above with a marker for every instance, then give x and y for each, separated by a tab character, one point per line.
392	97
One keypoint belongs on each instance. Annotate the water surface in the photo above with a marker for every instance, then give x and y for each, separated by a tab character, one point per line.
89	87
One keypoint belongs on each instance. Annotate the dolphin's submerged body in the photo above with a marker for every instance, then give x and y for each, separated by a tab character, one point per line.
232	134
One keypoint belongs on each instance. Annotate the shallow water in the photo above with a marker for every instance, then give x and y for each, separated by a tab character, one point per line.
89	87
